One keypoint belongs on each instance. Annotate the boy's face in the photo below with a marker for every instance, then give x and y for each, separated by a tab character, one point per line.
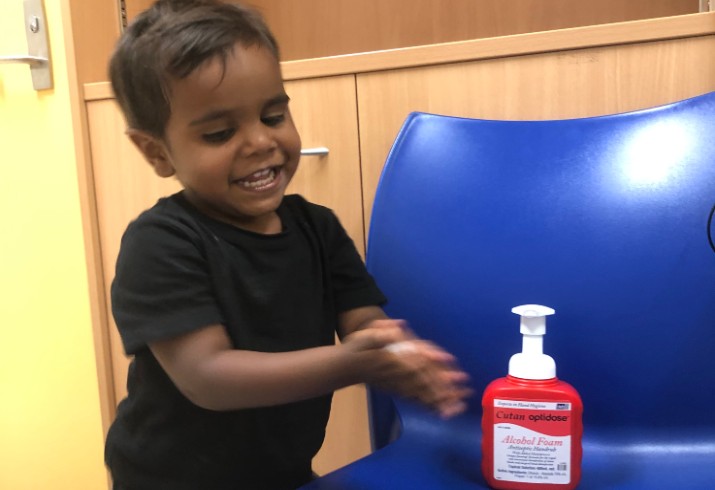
230	139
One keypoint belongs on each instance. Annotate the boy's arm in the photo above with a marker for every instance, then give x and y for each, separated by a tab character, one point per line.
209	372
358	318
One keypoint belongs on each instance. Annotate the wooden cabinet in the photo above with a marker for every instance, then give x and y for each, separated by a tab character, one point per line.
318	28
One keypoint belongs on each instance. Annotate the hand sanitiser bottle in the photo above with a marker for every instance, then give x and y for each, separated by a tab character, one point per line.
532	420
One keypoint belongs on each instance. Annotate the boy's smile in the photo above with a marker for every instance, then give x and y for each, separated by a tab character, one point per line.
230	139
261	180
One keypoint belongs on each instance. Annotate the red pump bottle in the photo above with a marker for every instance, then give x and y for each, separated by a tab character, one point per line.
532	421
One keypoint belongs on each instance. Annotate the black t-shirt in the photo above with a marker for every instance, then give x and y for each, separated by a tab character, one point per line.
179	271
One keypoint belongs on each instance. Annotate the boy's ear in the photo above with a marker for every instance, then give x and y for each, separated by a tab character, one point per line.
154	151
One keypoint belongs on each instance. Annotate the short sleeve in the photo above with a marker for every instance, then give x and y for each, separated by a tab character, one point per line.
162	287
352	285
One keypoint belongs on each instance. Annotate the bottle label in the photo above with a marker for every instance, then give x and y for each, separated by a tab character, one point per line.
532	441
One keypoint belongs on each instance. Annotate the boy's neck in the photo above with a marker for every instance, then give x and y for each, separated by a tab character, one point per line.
266	224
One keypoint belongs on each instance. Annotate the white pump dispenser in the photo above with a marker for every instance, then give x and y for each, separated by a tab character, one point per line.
532	363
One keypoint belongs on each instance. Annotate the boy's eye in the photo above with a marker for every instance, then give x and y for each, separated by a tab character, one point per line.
274	120
219	136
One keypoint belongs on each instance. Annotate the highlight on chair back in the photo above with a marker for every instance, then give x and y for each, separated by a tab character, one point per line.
605	219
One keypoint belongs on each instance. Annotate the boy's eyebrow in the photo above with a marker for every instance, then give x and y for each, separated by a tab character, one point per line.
221	113
278	100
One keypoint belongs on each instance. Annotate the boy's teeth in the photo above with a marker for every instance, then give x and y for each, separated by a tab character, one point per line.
261	173
259	179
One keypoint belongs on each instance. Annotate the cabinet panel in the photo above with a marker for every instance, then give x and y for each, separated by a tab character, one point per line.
318	28
125	185
556	85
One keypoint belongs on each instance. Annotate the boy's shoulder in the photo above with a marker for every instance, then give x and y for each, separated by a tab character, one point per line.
168	214
314	213
167	208
298	201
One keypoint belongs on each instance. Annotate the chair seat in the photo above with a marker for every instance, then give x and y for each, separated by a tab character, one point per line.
436	454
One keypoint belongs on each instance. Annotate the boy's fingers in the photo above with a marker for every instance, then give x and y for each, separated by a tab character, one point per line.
401	347
433	352
375	338
427	349
389	323
452	409
456	377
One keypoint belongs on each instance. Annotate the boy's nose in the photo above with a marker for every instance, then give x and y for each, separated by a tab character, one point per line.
258	140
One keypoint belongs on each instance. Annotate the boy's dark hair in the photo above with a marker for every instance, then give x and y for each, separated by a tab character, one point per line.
169	41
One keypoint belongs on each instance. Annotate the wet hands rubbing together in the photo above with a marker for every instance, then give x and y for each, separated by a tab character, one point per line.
413	368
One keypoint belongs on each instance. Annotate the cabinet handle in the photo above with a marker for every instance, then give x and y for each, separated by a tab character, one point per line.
319	151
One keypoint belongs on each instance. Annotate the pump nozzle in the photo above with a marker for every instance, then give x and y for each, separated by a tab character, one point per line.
533	318
532	363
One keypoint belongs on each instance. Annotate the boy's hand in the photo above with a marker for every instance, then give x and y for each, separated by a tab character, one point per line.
415	369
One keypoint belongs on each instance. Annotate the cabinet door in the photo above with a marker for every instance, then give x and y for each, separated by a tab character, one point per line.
326	115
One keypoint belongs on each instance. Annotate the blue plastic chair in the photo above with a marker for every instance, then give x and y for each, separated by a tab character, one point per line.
605	219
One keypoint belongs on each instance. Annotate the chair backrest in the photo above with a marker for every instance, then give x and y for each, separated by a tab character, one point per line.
604	219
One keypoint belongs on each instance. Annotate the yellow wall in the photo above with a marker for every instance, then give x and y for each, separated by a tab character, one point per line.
50	423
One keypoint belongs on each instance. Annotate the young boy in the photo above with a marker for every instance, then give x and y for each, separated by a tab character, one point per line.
228	294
